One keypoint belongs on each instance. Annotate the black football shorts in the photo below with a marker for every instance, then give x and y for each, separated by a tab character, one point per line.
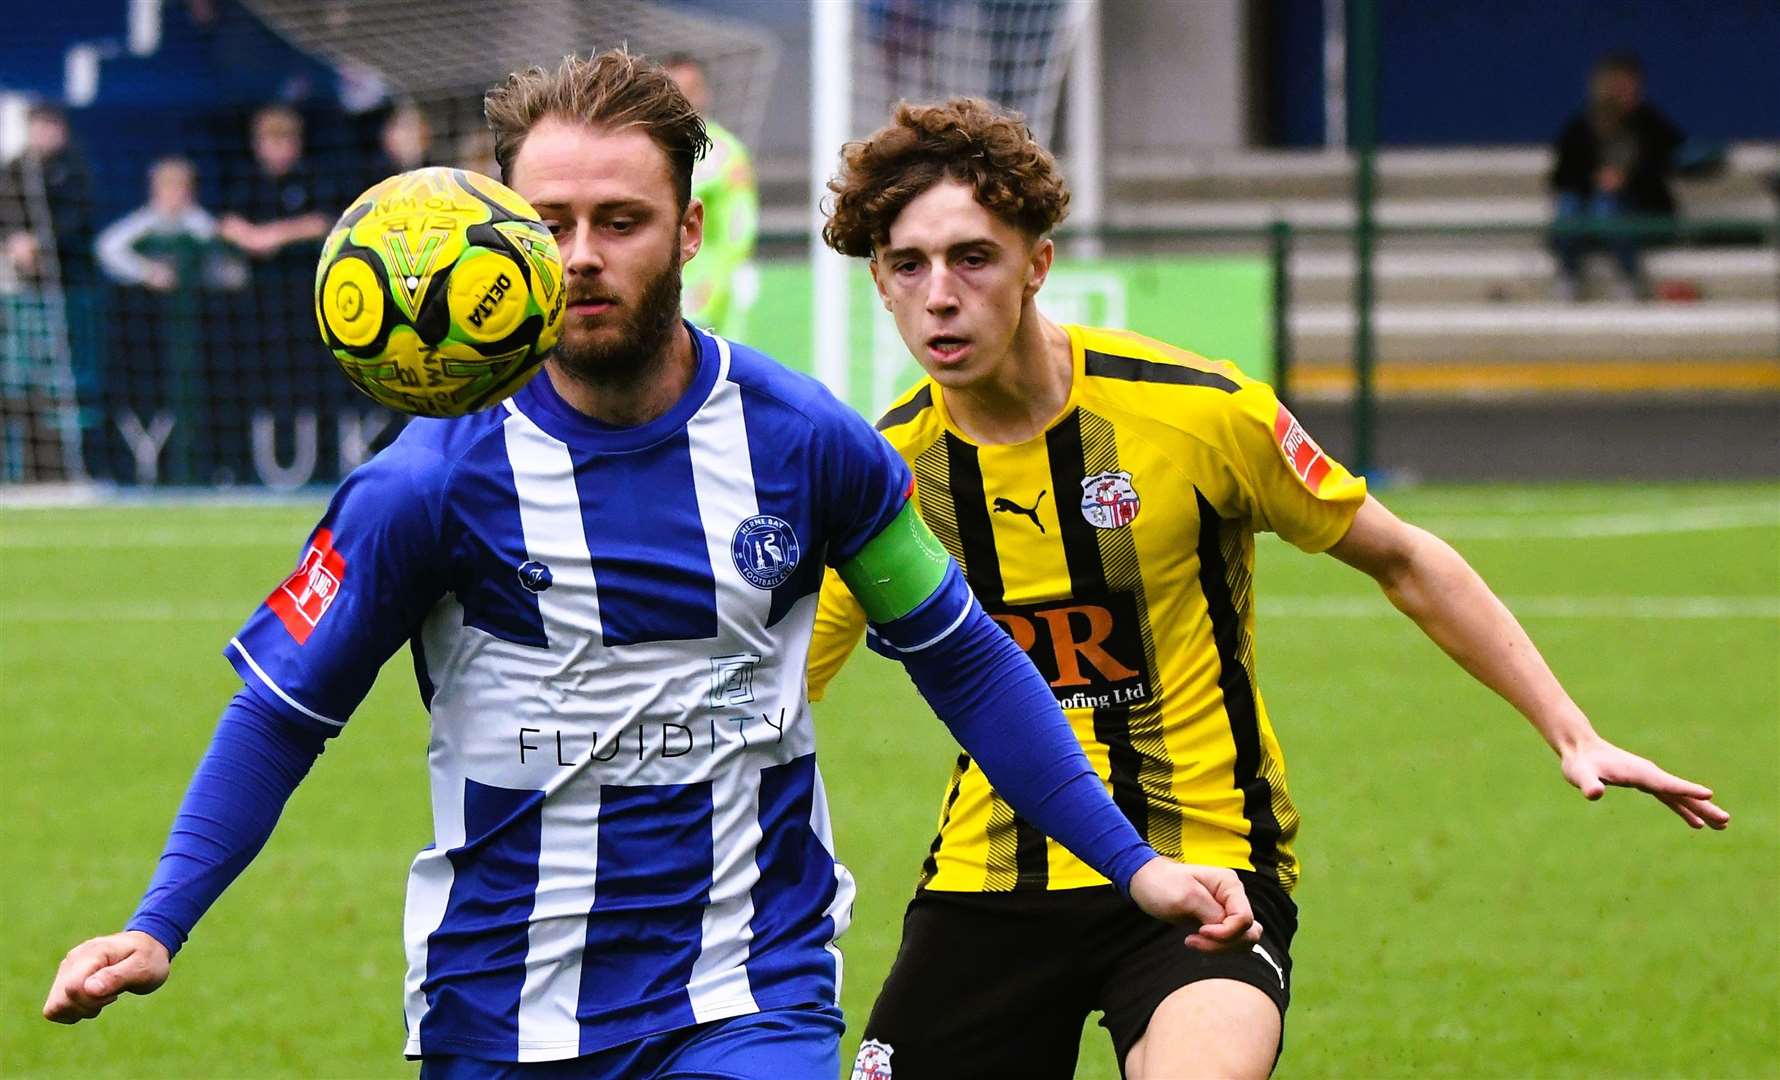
999	984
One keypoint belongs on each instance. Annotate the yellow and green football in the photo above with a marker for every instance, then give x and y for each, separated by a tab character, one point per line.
439	292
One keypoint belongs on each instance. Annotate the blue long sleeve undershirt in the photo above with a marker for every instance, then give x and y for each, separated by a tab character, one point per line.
1005	717
256	759
972	674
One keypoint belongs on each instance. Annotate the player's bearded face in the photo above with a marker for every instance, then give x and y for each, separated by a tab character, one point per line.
608	197
617	343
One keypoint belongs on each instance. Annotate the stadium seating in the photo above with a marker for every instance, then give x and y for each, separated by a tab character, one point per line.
1471	284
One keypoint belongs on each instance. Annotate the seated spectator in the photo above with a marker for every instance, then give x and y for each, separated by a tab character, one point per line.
1614	160
150	245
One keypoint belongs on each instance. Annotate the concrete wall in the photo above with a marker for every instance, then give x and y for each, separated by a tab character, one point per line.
1175	74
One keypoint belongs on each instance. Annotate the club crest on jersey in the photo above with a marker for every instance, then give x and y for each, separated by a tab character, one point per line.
1109	501
535	576
873	1061
765	551
304	597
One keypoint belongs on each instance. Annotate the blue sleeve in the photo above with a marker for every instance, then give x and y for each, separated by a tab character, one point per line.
864	483
369	573
255	760
1004	715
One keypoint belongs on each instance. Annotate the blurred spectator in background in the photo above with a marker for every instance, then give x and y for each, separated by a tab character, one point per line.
170	238
278	211
160	257
475	152
406	141
1614	161
720	281
275	373
48	371
46	204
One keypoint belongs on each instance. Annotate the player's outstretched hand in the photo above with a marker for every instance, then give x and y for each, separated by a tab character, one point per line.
1210	896
1597	764
95	972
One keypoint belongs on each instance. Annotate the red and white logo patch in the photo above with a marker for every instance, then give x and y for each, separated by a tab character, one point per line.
873	1061
1109	501
1302	453
306	595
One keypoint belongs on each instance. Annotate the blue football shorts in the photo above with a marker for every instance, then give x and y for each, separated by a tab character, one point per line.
801	1043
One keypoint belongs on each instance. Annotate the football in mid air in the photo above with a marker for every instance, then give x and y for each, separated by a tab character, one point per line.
439	292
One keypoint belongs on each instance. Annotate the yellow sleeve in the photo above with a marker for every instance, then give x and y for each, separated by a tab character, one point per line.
1294	488
840	623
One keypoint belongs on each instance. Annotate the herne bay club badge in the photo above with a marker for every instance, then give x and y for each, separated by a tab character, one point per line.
765	551
1108	500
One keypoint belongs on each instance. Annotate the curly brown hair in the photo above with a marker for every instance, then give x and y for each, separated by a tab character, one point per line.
966	139
615	89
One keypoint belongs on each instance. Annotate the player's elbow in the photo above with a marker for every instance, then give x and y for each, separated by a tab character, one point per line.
1411	572
1382	546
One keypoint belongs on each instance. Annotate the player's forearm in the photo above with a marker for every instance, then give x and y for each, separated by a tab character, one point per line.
291	230
985	689
255	760
116	248
1452	604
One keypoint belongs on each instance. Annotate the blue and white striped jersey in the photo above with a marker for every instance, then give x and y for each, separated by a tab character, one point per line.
609	628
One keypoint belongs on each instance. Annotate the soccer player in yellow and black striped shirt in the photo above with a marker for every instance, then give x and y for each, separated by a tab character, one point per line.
1102	492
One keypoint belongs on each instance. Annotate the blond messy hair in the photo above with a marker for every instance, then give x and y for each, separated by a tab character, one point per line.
614	89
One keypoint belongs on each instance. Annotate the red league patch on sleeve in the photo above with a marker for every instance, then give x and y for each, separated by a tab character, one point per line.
1302	453
306	595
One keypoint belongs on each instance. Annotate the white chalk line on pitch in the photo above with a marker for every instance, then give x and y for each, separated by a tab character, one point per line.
1542	607
185	537
1607	497
1449	525
1291	607
1598	526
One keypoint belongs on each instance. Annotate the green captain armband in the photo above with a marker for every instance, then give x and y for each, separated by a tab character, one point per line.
898	569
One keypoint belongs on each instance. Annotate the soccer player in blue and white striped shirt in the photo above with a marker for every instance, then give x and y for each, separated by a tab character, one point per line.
608	585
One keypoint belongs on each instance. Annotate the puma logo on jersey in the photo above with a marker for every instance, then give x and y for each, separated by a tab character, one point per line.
1008	506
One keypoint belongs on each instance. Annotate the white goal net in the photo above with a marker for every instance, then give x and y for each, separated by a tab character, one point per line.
450	51
1011	52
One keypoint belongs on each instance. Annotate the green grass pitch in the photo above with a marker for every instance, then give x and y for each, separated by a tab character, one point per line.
1464	912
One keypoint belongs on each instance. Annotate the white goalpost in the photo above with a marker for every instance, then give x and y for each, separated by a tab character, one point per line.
831	100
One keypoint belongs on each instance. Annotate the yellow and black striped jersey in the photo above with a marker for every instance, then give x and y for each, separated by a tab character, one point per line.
1117	548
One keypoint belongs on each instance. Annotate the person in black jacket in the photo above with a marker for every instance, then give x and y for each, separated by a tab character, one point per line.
46	262
277	208
49	204
1614	160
